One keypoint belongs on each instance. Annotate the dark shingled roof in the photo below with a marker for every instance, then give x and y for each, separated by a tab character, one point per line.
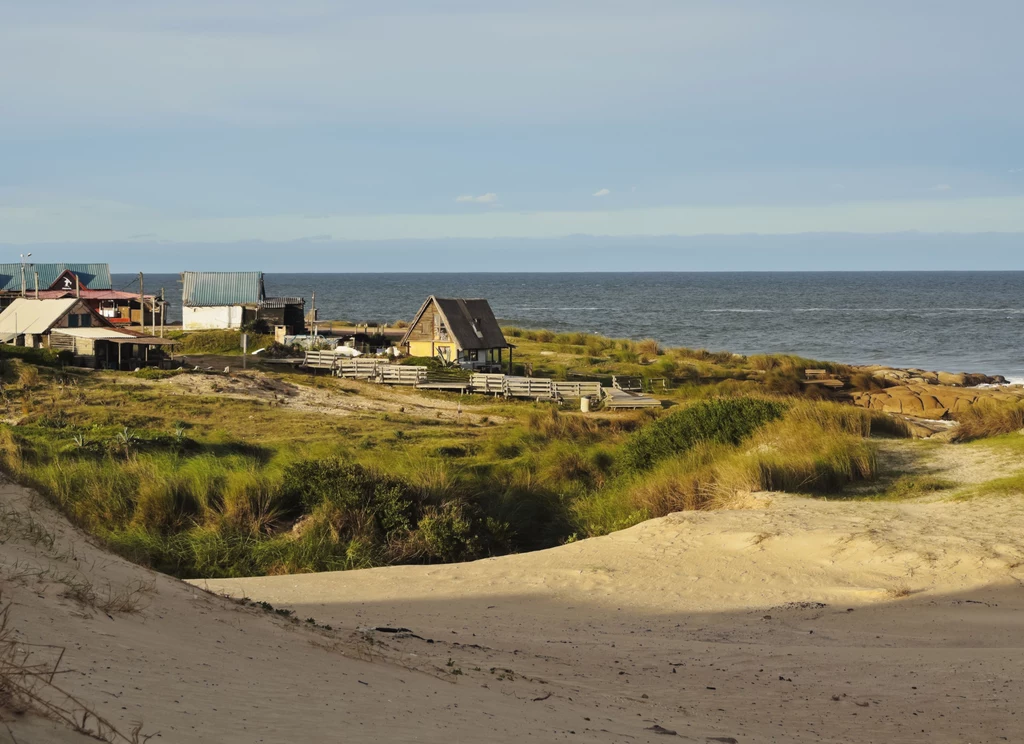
471	322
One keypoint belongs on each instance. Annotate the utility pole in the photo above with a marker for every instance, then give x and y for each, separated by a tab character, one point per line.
142	304
163	309
23	257
37	283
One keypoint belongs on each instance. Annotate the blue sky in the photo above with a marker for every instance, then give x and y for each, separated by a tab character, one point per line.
241	126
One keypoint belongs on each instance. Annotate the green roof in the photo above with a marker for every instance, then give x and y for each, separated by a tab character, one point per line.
218	288
91	275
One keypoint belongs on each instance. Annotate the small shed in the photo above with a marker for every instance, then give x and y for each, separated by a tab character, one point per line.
233	299
459	331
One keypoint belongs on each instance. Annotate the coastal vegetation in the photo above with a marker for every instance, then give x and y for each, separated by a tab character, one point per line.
209	481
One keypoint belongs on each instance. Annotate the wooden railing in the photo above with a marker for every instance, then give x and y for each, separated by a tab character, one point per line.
382	371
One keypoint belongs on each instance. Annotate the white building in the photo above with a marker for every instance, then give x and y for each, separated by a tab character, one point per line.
231	299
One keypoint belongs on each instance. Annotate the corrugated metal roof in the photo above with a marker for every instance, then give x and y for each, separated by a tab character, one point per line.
273	303
219	288
108	334
91	275
30	316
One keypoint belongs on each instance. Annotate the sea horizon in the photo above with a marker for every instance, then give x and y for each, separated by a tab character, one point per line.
949	320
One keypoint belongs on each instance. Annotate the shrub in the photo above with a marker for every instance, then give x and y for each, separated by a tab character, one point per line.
449	534
43	357
649	348
359	496
989	419
725	420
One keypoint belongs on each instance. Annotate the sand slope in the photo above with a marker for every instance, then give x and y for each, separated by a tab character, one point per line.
793	621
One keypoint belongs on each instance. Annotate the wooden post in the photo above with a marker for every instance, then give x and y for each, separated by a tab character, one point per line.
163	308
78	287
37	284
245	350
142	303
119	357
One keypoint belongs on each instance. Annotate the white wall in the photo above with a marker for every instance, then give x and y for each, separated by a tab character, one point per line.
201	318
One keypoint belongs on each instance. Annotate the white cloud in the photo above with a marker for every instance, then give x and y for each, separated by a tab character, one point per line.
489	198
1016	170
602	192
940	187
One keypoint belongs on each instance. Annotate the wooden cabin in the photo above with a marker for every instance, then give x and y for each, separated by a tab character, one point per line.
461	332
70	324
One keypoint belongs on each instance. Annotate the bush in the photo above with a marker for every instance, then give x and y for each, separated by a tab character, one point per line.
649	348
450	534
361	498
726	420
43	357
989	419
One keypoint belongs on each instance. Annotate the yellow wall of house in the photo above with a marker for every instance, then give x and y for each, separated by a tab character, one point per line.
430	349
421	348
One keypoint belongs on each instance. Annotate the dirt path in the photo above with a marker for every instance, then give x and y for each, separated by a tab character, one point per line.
328	396
962	465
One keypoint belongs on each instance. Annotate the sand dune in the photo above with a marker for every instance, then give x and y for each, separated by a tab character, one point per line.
791	621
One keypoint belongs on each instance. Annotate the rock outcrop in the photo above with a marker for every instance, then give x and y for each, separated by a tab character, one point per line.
893	376
932	401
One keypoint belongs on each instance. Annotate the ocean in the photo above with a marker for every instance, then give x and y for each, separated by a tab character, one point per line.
953	321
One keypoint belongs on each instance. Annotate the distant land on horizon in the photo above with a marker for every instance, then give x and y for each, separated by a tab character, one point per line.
796	252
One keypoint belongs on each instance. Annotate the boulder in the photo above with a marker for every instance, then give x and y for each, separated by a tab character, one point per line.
954	380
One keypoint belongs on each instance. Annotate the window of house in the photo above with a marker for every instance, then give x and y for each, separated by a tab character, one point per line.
86	321
72	321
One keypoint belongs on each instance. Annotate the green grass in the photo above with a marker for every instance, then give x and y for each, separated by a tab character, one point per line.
215	486
989	419
217	342
907	487
727	420
1009	485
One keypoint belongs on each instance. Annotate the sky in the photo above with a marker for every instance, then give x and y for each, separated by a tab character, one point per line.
410	135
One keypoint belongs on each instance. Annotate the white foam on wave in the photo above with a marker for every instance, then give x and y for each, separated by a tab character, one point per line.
1010	382
737	310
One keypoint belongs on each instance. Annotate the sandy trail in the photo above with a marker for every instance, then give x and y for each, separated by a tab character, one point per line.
330	396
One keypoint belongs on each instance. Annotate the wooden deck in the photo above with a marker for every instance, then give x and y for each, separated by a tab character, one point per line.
614	398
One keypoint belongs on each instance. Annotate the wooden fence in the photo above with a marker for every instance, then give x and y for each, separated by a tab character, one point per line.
577	389
401	374
384	372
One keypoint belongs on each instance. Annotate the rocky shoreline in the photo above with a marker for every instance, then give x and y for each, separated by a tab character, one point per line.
922	395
